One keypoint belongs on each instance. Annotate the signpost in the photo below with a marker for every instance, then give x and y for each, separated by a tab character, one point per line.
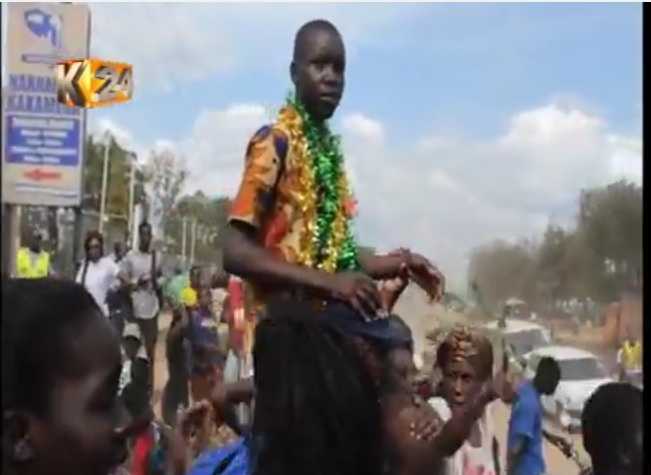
42	152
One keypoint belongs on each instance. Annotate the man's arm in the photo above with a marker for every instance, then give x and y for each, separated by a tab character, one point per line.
558	441
243	253
383	266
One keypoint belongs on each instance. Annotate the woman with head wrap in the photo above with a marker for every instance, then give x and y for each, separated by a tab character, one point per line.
465	360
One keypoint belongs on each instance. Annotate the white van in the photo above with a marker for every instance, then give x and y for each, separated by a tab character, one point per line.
521	337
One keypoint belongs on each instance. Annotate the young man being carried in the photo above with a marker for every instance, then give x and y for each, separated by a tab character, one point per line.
290	229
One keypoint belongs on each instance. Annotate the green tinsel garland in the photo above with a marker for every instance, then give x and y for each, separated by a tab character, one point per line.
324	149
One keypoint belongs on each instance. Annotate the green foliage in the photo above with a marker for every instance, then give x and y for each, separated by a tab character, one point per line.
119	169
209	214
598	258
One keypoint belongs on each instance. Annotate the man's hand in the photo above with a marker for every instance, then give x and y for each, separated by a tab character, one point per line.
144	279
358	290
390	291
560	442
426	275
194	427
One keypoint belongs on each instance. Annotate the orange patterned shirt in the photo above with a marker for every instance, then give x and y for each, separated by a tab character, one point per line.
267	200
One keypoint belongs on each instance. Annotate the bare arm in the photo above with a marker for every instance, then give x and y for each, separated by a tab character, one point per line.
241	391
244	257
556	440
382	267
179	329
391	290
243	253
419	457
458	428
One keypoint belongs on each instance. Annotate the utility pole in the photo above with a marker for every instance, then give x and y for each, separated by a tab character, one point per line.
184	242
132	188
105	169
193	240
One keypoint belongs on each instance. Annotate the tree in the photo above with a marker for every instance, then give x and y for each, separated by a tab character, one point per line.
165	173
610	222
502	270
208	216
596	259
552	259
119	171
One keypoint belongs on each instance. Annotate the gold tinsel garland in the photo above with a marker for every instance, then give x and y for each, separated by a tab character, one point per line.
291	123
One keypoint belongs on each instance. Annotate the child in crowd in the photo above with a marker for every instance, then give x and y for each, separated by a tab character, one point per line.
206	364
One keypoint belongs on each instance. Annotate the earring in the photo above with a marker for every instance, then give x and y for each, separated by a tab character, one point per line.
22	451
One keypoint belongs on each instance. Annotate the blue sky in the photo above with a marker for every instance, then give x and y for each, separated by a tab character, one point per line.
462	123
458	66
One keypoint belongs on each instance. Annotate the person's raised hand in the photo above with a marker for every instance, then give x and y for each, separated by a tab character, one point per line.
391	290
427	424
501	387
426	275
194	426
358	290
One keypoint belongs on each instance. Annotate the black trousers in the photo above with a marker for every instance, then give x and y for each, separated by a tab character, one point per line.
176	390
117	317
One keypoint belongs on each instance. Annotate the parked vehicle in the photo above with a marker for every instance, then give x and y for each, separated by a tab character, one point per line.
581	374
520	338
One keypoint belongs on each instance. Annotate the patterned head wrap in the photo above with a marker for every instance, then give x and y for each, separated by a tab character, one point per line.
464	343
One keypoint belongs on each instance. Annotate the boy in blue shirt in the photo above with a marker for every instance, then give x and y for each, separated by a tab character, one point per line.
525	435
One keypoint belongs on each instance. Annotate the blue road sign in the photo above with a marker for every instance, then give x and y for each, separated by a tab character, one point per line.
42	156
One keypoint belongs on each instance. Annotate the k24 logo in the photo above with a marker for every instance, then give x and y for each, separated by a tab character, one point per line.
90	83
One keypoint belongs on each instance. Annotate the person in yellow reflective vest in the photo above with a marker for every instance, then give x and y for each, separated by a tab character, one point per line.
32	262
629	357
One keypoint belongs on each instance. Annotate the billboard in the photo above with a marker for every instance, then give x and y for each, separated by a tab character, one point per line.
43	140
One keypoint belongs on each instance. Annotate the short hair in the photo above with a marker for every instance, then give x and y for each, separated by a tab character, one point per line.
40	318
313	391
610	419
144	225
306	30
548	368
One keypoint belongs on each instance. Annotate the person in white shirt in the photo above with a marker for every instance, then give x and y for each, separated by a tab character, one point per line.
97	273
465	361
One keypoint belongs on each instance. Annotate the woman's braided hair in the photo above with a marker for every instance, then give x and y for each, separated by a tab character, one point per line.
317	406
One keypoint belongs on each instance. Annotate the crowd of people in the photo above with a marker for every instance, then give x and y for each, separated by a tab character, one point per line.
334	388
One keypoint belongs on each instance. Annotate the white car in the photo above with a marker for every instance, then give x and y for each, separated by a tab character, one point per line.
581	374
521	337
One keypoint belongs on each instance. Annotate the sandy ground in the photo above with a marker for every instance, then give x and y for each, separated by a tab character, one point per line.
557	464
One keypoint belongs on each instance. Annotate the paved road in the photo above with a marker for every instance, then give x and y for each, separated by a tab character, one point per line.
557	464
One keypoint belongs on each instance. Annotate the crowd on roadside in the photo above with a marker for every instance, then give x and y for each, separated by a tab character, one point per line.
332	388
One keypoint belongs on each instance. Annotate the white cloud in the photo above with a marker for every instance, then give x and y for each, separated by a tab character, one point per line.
444	195
363	128
171	43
